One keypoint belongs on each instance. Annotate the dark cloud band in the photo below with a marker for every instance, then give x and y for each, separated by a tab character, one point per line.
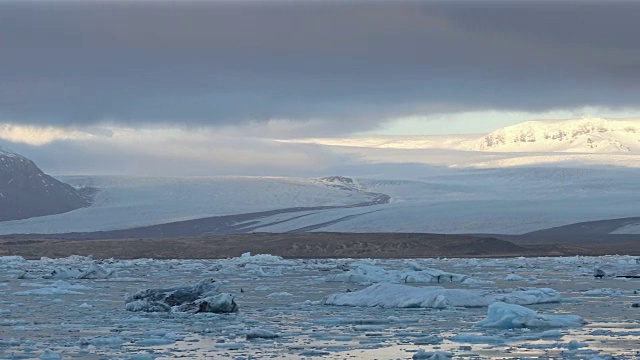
224	63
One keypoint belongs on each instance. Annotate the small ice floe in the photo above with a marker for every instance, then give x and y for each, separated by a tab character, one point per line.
27	275
261	334
432	355
12	342
528	296
617	270
547	334
155	341
50	355
143	356
13	322
477	339
405	296
114	341
57	288
12	260
261	265
204	296
608	292
476	282
279	295
428	340
93	271
507	316
514	277
574	344
368	273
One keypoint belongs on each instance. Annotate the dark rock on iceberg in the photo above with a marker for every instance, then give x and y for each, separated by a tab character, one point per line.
204	296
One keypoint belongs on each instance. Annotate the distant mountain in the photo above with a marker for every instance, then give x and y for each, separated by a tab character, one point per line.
25	191
587	135
584	135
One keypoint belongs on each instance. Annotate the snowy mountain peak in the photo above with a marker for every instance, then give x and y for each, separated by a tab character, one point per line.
586	134
8	153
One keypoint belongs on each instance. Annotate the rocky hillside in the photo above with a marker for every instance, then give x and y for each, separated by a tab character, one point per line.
25	191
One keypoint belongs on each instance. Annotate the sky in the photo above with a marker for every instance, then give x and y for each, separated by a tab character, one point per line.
196	88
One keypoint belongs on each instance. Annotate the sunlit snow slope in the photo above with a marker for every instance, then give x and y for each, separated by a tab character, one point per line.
584	135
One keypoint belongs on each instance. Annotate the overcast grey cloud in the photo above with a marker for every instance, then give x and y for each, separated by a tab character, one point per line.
349	65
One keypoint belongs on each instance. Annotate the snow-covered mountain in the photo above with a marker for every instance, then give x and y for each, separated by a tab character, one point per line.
583	135
518	179
586	135
25	191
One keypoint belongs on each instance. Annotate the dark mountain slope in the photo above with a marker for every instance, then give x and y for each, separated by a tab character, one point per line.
25	191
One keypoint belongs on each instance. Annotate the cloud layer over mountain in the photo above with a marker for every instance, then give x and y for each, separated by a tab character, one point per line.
329	67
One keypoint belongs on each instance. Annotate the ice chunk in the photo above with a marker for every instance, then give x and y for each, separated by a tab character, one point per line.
477	339
220	303
115	341
48	291
608	292
279	294
473	282
201	297
530	296
12	259
404	296
575	344
261	334
94	271
368	273
50	355
513	277
620	270
432	355
506	316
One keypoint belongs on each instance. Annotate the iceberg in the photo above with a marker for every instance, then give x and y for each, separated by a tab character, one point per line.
389	295
508	316
201	297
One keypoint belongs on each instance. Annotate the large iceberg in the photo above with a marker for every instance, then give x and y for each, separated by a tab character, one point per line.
507	316
404	296
367	273
204	296
619	270
93	271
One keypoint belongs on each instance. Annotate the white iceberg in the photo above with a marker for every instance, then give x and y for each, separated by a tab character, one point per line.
94	271
404	296
432	355
619	270
508	316
367	273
